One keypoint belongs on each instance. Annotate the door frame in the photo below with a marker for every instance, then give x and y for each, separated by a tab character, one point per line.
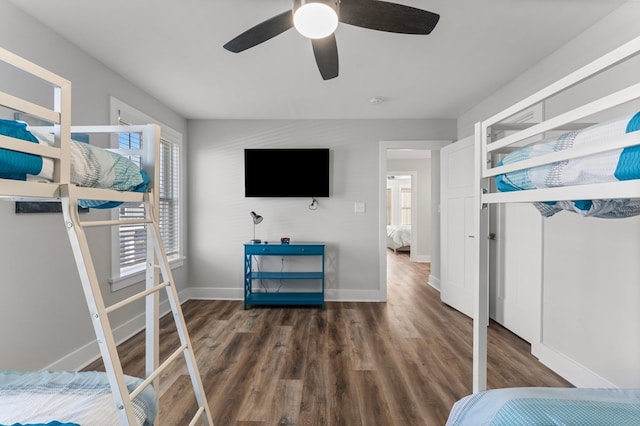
433	145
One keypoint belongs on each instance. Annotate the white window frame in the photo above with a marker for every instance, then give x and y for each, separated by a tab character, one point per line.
124	278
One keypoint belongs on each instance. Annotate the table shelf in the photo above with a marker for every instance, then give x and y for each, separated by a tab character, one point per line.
285	298
251	297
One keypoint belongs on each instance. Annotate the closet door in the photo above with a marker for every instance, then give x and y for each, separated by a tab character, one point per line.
516	273
456	222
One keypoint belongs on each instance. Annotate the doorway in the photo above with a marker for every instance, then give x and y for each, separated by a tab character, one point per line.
424	221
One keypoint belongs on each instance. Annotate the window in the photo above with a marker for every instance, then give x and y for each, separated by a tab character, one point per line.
400	197
169	197
405	205
129	241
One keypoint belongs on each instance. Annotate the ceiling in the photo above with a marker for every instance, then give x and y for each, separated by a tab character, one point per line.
173	50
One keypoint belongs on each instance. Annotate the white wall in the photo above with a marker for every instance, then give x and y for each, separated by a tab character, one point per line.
219	212
43	316
591	297
591	313
617	28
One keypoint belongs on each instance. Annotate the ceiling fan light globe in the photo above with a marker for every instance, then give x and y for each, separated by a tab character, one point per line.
315	20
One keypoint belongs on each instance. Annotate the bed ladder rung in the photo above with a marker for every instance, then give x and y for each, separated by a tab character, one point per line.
157	371
135	297
196	416
95	223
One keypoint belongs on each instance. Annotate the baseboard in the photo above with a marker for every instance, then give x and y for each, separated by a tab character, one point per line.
208	293
202	293
572	371
434	282
88	353
332	295
424	258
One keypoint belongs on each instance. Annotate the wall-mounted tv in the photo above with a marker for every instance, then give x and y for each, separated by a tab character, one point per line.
286	172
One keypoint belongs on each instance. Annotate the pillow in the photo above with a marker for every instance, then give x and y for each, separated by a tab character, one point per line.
16	165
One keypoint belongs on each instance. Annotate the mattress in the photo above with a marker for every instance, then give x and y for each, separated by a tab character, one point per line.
68	398
90	166
548	406
611	166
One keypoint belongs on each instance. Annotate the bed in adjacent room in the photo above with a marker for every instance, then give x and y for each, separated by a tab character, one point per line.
399	237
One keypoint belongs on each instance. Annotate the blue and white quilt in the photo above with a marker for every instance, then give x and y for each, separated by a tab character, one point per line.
90	166
67	398
548	407
611	166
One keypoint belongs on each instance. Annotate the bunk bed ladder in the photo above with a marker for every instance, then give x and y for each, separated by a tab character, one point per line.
156	260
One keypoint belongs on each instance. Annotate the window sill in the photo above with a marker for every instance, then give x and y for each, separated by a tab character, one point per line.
138	275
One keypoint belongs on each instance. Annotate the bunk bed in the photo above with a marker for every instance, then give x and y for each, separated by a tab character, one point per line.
588	169
45	164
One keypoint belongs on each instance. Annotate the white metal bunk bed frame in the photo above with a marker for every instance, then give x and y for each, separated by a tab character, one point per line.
484	171
69	194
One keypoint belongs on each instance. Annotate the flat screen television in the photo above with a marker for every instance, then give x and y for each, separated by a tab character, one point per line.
286	172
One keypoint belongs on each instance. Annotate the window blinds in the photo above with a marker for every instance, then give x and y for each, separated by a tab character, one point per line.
132	238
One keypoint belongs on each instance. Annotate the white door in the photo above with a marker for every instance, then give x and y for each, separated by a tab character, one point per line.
516	275
516	253
456	225
516	269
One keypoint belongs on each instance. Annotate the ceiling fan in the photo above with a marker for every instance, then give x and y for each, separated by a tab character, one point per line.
318	19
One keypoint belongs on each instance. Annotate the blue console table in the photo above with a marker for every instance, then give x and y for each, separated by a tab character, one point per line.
252	251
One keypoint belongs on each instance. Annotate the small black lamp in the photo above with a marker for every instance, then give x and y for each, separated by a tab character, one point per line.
256	220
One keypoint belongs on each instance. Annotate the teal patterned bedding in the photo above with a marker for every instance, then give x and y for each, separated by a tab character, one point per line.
67	398
90	166
611	166
548	407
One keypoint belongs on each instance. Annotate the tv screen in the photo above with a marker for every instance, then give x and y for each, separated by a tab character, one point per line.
286	172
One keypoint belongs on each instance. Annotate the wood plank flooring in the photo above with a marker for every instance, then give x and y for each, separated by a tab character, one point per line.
404	362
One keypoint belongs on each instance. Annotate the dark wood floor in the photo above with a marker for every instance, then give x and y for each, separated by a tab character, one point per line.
404	362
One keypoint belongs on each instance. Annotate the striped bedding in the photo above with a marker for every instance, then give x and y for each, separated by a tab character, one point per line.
548	407
90	166
67	398
611	166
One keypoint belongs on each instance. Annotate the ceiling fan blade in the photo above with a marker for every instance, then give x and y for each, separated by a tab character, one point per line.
326	52
261	32
390	17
